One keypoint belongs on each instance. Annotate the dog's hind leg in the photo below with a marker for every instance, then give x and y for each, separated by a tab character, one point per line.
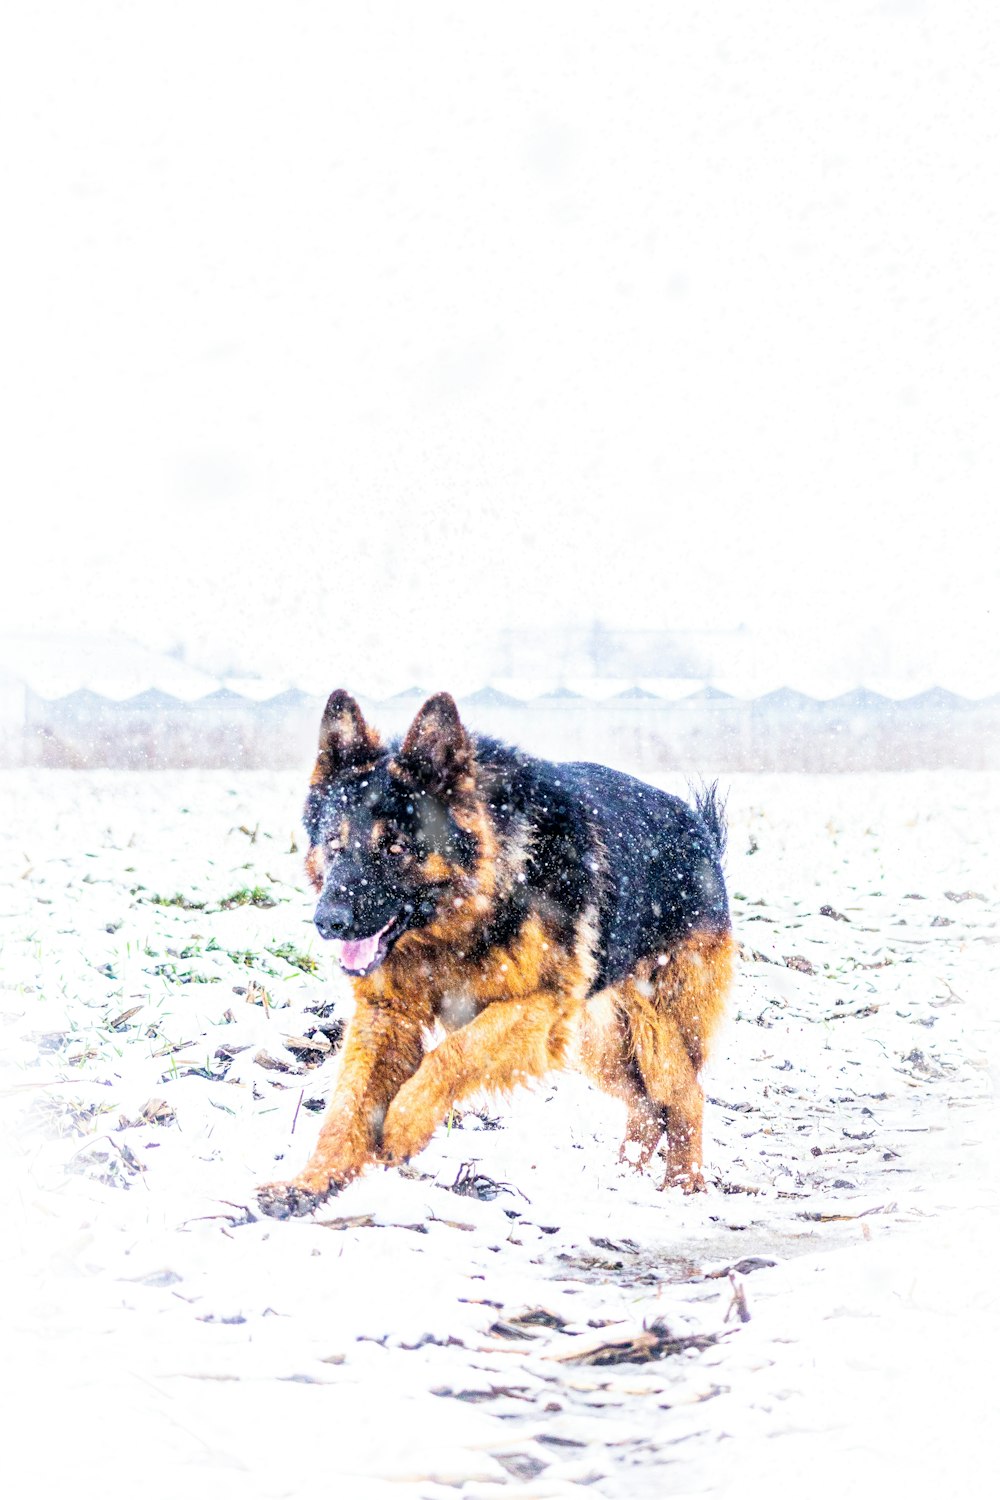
508	1043
606	1058
672	1012
671	1080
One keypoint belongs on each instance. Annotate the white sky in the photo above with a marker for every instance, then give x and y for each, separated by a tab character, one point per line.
342	333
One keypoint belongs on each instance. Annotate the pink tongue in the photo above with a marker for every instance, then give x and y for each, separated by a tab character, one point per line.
359	954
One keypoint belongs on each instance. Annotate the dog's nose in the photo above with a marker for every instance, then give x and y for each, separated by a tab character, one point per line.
333	919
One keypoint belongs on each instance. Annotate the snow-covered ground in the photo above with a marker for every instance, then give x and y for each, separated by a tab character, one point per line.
416	1340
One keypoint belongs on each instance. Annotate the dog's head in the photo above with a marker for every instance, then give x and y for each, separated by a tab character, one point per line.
392	847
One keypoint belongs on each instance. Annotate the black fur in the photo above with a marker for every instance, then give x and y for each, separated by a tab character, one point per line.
467	884
645	862
580	843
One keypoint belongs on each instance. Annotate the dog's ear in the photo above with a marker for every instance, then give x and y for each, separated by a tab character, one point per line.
345	739
437	753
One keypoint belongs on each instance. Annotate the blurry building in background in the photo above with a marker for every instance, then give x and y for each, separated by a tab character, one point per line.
106	701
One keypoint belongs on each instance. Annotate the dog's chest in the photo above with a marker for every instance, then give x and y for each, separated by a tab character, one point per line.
457	1008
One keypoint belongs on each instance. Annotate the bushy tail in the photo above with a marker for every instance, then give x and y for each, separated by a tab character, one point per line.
710	806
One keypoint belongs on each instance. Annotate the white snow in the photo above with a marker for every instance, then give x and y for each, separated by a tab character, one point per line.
155	1343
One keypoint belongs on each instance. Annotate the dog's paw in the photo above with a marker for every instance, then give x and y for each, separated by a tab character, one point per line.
286	1200
689	1180
404	1136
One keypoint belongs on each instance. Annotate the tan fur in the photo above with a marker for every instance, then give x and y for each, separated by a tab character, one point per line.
604	1055
314	867
384	1047
436	869
514	1012
508	1043
642	1042
672	1013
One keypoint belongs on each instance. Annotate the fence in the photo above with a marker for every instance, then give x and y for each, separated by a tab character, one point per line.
701	730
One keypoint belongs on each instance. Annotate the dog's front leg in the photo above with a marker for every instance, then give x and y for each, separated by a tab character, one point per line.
508	1043
383	1048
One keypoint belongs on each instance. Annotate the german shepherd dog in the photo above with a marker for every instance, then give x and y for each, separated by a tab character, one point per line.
545	915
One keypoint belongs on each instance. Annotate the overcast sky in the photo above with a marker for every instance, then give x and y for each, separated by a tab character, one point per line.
343	333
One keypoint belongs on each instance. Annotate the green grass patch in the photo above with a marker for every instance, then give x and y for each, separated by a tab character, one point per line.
293	955
246	958
179	899
170	971
247	896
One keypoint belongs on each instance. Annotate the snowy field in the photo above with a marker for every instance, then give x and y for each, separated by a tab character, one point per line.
514	1312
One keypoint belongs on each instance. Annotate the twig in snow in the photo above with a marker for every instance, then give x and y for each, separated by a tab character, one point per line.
738	1303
